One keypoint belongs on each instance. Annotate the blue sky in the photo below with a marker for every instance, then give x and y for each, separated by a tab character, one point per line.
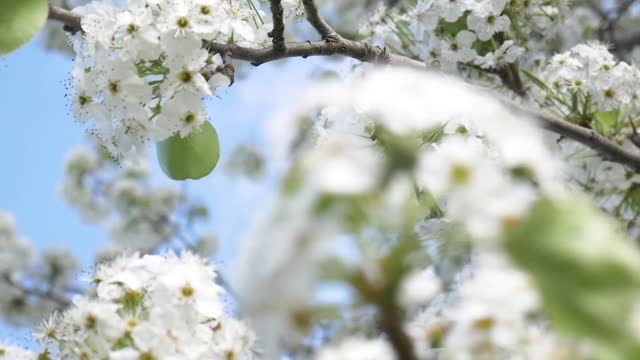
38	130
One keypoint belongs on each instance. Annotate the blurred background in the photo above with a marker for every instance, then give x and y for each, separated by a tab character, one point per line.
38	131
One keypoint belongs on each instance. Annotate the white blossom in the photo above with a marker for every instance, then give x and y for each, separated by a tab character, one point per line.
162	307
358	349
134	58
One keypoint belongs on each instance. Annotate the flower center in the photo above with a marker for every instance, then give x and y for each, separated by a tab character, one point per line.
131	28
185	76
484	323
609	93
205	9
83	100
491	19
190	118
114	87
182	22
146	356
90	322
460	173
187	291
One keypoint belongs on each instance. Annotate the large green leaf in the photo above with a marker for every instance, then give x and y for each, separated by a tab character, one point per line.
587	273
20	20
191	157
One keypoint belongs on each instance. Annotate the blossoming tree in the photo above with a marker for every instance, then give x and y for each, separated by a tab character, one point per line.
467	179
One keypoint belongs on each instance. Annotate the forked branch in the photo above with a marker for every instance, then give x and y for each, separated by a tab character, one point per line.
334	44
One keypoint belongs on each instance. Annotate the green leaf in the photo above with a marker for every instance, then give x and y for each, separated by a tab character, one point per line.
352	209
20	20
632	198
433	135
426	200
451	28
123	342
44	355
535	79
586	272
334	269
192	157
196	213
246	160
605	122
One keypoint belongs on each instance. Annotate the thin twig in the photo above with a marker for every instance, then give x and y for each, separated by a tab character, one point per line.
228	69
610	20
63	302
624	7
71	20
277	34
595	7
313	17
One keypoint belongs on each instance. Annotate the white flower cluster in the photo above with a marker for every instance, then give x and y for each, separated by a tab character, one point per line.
141	69
11	352
587	85
31	282
358	349
140	216
611	186
150	307
377	142
486	34
495	313
17	253
481	161
586	79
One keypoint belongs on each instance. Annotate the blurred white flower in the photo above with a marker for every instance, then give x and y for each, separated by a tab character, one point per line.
418	288
358	349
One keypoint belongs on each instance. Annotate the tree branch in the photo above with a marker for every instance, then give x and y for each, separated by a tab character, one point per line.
227	68
277	34
608	149
390	319
597	8
624	7
71	20
313	17
610	20
357	50
391	324
627	42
